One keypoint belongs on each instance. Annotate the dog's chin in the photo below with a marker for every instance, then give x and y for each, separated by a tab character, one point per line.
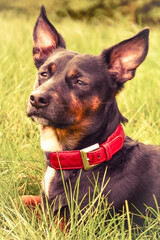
42	121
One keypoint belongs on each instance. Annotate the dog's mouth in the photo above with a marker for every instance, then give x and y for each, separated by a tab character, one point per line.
39	119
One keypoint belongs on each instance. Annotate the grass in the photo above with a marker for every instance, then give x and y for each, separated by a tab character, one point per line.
21	159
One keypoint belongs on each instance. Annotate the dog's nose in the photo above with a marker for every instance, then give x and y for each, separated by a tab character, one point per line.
39	100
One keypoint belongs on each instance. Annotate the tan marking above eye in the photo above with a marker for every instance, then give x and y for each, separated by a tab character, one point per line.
72	73
52	67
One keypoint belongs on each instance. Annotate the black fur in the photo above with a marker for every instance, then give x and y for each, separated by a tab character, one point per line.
67	80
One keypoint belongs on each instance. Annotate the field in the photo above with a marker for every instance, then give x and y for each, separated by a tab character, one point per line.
21	159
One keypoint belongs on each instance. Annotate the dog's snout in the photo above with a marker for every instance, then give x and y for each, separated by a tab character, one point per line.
39	100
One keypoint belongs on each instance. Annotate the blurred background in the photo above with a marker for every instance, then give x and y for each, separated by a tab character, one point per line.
139	11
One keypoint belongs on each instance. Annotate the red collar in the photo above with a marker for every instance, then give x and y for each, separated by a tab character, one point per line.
89	157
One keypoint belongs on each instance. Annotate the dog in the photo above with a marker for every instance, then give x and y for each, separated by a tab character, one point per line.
74	104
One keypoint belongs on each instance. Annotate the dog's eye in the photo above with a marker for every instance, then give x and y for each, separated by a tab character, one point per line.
79	82
43	74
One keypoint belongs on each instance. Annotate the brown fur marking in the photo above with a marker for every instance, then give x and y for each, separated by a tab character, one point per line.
73	73
52	67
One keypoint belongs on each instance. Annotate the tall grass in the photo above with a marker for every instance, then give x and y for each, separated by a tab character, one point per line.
21	159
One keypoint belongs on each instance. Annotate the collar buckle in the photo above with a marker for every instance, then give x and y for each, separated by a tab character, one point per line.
85	158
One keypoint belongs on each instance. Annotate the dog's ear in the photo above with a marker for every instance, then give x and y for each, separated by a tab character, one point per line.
123	59
45	39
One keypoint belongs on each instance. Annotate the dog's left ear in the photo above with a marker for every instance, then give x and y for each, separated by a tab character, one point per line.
45	39
123	59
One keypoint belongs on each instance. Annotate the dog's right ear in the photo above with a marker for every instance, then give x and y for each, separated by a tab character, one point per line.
45	39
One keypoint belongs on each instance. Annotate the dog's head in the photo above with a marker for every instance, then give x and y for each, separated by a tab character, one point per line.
73	91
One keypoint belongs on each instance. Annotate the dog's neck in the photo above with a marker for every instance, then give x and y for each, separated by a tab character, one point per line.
108	124
53	140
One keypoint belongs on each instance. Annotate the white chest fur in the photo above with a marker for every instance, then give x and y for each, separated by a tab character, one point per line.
48	178
49	143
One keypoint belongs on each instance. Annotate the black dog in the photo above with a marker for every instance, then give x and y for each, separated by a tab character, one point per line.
74	104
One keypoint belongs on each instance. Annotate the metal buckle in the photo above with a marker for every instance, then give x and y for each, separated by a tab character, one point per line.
85	158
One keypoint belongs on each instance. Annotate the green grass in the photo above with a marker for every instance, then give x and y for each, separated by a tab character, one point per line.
21	159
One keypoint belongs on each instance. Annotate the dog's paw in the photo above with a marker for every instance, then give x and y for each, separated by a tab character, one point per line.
31	200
